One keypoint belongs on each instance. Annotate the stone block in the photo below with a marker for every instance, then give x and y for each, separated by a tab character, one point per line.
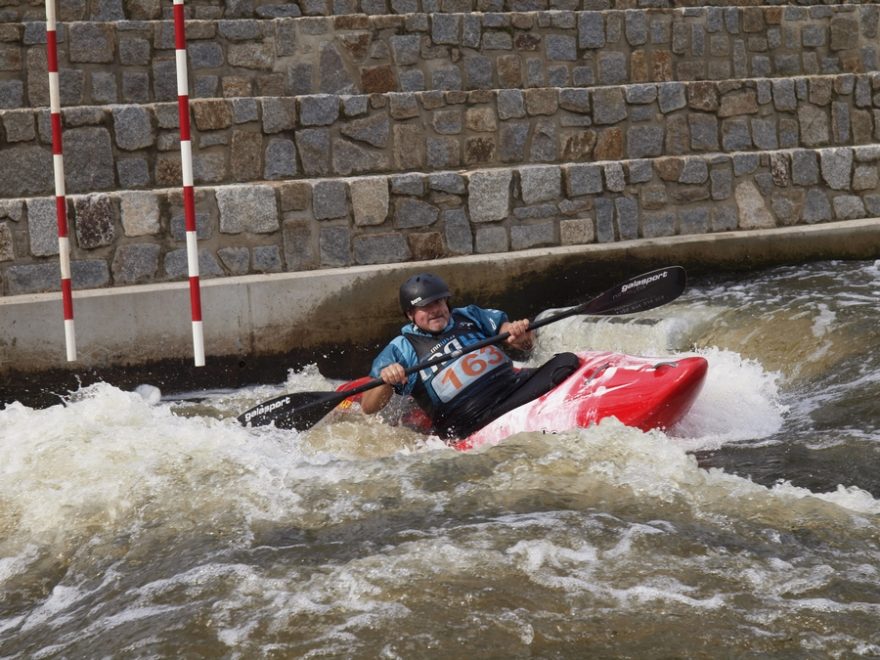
267	259
836	167
236	260
351	158
523	237
753	211
481	119
513	138
814	126
457	231
280	159
694	171
446	29
135	263
735	135
817	208
721	181
19	126
609	106
545	141
279	114
318	110
703	130
605	220
91	42
313	145
644	141
446	78
334	245
576	231
42	226
177	266
26	170
409	146
546	210
12	209
582	179
11	93
7	245
672	96
445	152
330	199
612	67
94	221
478	72
373	130
447	182
381	249
615	177
405	49
489	195
694	221
490	240
591	30
540	184
250	208
300	240
426	245
627	217
410	212
657	224
369	200
88	160
133	127
865	178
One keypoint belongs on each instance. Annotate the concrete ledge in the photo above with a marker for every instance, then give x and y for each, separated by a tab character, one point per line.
256	327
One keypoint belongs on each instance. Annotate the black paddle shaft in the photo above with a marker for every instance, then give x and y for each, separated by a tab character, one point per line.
302	411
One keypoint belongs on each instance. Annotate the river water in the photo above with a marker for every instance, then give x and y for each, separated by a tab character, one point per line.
134	525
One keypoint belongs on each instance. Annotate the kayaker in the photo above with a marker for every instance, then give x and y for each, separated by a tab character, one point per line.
462	395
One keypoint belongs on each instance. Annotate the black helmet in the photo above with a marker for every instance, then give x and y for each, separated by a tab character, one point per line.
421	290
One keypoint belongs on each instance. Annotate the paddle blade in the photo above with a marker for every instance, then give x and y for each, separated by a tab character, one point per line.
640	293
300	411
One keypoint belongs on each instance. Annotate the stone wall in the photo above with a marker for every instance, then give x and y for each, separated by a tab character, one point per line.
12	11
277	138
133	61
335	134
138	237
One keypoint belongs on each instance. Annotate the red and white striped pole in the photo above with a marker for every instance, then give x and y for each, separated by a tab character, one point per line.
189	206
58	166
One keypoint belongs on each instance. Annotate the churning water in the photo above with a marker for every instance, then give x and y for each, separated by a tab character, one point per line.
137	526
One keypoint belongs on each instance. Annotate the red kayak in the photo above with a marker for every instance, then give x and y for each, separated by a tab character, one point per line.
643	392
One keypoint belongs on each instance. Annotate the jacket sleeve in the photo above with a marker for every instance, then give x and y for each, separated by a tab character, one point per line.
401	351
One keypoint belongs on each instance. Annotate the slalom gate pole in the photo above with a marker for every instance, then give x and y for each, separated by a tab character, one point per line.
58	167
189	207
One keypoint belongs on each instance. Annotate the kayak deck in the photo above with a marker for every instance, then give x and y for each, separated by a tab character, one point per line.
643	392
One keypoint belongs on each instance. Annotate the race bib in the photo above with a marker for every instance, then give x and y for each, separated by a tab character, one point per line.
452	379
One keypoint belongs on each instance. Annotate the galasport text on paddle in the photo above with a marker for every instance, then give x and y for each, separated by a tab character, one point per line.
302	410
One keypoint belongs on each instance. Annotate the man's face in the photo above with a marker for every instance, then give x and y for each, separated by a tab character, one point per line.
432	318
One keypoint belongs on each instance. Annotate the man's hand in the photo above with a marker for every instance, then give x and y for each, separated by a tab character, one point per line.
520	335
393	374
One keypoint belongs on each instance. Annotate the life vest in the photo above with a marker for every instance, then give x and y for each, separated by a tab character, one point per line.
458	392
